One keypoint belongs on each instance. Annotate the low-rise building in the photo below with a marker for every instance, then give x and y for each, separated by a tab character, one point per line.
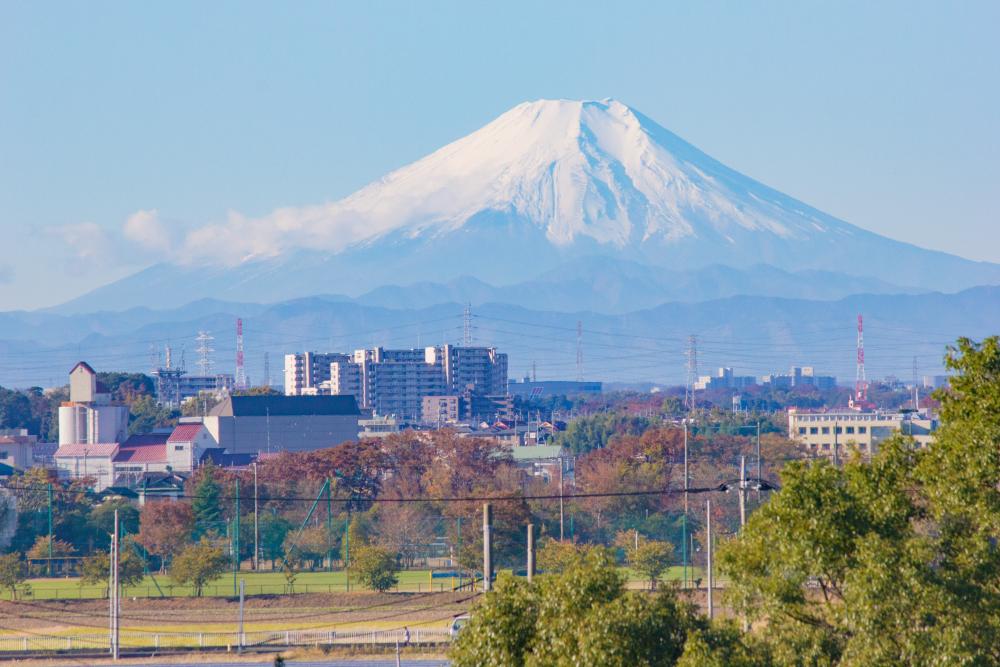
528	388
268	423
440	410
800	376
724	379
17	448
835	433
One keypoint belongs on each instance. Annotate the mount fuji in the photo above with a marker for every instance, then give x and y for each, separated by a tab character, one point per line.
550	184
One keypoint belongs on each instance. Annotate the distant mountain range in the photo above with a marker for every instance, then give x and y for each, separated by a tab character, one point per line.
571	195
754	334
557	212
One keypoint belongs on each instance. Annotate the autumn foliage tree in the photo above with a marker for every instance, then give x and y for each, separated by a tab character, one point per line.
165	528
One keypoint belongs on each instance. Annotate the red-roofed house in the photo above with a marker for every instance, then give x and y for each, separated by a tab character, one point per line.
186	444
79	460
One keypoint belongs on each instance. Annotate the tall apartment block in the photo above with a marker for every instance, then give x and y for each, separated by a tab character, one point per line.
395	382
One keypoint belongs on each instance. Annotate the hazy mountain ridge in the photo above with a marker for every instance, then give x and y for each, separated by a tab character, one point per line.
754	334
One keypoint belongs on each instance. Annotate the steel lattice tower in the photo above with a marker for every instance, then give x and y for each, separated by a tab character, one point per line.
205	350
241	374
860	382
579	351
692	371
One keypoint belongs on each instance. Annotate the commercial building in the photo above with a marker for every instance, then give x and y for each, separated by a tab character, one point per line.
527	388
804	376
255	424
724	379
837	433
395	382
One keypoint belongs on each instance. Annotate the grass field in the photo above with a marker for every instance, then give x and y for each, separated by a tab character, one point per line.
261	583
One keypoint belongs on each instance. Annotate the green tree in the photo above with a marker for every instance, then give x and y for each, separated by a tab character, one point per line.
206	503
274	528
101	521
892	562
580	616
145	415
199	564
652	559
375	568
96	569
12	572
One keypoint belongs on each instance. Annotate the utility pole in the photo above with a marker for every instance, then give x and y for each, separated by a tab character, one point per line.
50	528
239	639
708	551
256	522
836	446
562	515
758	461
743	492
236	537
684	523
531	552
487	548
114	591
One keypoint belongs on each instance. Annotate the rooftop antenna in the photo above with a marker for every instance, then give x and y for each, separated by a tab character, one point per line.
579	351
860	382
167	366
916	387
241	374
267	370
534	372
205	351
692	372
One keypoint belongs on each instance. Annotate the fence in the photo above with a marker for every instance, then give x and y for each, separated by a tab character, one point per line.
226	590
226	640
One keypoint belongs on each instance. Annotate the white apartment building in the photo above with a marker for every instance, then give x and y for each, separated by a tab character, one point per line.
395	382
830	433
305	372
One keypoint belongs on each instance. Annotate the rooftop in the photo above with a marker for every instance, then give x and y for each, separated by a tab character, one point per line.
285	406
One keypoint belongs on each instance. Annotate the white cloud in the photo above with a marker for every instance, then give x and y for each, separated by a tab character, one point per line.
87	241
147	230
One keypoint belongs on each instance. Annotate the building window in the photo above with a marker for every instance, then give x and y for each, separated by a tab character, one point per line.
826	446
178	448
839	429
3	455
802	430
862	429
813	430
826	430
850	429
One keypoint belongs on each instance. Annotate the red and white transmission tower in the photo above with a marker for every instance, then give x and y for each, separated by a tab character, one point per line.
860	382
241	374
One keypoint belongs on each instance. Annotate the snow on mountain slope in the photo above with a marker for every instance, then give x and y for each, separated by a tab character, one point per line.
545	184
575	170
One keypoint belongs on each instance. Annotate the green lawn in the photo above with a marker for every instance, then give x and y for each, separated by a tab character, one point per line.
261	583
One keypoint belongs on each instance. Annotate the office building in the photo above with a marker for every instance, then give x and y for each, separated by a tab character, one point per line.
804	376
827	433
724	379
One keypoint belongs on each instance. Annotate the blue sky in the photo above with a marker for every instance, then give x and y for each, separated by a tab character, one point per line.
883	114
